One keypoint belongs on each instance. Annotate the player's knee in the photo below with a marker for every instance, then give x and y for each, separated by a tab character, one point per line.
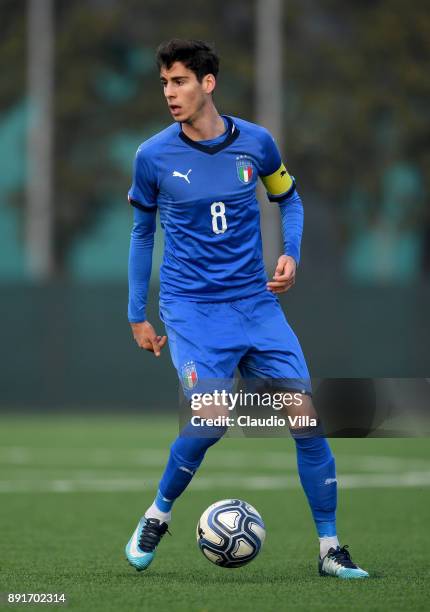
198	428
211	408
313	433
189	448
302	413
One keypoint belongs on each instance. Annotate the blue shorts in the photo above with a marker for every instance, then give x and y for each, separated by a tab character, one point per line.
208	341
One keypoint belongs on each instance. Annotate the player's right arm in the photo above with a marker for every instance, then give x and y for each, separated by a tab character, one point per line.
142	196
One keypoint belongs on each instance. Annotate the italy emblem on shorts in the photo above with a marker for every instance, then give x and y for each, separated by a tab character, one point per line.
189	375
244	168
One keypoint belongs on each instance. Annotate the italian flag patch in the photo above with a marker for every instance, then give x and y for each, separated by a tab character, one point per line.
244	169
189	375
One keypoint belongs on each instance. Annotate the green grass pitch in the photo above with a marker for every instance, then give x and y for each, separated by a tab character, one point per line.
72	490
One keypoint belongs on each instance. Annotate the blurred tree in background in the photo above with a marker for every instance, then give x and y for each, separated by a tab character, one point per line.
355	97
357	90
12	52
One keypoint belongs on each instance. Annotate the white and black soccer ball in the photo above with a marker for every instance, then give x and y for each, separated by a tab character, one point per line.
230	533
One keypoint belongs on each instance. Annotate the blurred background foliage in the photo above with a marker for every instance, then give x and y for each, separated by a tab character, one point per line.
356	121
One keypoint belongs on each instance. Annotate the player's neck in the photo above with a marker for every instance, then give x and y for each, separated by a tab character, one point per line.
206	126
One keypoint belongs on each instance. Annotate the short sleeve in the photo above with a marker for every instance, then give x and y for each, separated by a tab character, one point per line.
143	191
271	158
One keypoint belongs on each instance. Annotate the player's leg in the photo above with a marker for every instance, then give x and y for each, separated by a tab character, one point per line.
186	455
317	471
202	351
278	357
202	355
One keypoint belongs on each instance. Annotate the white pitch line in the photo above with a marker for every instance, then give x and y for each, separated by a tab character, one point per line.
204	483
100	457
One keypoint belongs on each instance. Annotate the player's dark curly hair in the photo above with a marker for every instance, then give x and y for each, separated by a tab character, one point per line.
196	55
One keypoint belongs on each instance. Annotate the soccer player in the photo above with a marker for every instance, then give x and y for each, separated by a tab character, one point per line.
218	307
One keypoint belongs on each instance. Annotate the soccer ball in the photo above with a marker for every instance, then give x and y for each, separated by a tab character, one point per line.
230	533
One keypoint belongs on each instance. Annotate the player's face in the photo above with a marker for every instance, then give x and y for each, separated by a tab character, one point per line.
185	95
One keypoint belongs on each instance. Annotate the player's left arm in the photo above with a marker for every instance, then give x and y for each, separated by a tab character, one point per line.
281	188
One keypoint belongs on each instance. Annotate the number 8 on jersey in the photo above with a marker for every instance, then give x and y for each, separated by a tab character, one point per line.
218	212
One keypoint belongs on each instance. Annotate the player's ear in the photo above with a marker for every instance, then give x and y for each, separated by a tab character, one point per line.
208	83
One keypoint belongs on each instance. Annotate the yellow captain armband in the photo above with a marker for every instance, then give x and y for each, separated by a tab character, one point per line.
279	182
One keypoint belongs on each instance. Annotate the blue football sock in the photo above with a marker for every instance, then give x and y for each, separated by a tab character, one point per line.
186	455
317	473
162	503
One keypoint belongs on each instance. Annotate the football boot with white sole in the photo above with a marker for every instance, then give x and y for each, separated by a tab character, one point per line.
140	550
338	563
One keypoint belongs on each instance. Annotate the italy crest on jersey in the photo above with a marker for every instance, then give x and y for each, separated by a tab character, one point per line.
244	169
189	375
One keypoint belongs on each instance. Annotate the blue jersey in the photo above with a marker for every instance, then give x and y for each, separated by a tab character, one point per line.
206	196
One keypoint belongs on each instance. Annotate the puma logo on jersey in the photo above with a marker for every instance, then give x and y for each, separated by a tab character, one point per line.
184	176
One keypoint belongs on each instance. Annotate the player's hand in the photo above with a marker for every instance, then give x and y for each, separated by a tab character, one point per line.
146	338
285	275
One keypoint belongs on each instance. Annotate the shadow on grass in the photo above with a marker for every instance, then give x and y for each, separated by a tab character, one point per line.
220	577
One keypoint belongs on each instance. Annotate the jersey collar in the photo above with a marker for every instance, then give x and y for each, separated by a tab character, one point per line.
232	134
